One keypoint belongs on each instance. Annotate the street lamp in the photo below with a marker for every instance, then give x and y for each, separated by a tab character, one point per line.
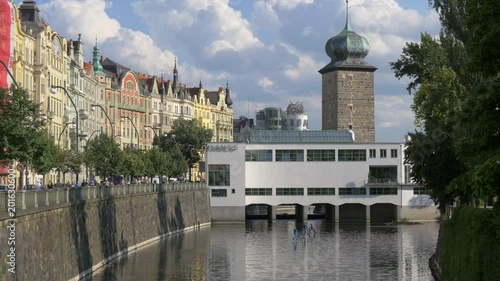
88	139
54	91
10	74
136	131
107	116
59	145
154	132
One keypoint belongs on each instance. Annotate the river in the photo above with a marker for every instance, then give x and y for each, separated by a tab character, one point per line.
259	250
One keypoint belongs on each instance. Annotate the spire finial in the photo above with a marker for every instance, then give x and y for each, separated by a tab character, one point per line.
96	40
175	63
347	13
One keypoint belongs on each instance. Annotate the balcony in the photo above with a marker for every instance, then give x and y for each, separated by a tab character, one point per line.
382	181
132	108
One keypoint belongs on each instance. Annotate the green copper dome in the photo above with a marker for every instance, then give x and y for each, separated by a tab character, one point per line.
347	46
347	50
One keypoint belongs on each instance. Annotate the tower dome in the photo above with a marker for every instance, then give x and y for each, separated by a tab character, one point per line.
347	46
347	49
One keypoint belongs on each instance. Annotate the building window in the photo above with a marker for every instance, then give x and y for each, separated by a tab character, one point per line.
384	191
408	174
394	153
259	155
352	191
218	175
421	191
352	154
373	153
383	174
383	153
289	191
290	155
219	192
233	191
259	191
321	191
320	155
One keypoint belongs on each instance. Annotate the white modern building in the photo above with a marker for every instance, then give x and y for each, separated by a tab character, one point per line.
348	181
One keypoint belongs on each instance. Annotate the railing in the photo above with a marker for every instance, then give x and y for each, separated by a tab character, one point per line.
373	180
32	199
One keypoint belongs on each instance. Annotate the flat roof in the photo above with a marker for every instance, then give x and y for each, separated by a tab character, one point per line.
289	136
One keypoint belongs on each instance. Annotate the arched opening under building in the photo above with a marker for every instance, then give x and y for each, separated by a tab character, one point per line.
383	212
352	212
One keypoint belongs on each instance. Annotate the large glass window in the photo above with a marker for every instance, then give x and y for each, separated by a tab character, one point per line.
289	191
259	155
218	175
421	191
219	192
321	191
352	154
383	174
320	155
259	191
295	155
384	191
352	191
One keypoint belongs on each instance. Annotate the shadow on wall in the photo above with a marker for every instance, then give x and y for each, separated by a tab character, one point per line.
421	202
80	237
176	222
110	244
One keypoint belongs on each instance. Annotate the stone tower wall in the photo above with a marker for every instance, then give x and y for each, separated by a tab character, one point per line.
343	89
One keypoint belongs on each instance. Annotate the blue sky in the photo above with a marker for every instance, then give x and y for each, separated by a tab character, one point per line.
269	50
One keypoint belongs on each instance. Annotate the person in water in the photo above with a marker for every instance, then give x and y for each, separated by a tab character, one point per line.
305	229
311	229
295	234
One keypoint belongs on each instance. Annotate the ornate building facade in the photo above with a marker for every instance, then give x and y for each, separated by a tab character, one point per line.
107	97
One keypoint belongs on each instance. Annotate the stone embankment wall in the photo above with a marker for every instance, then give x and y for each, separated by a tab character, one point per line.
72	241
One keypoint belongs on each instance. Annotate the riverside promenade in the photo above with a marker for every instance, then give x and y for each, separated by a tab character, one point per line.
66	233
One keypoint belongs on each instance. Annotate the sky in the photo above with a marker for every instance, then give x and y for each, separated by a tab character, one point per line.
269	51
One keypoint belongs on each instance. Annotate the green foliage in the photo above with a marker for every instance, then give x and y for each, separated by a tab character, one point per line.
45	154
73	161
471	248
157	163
456	101
20	125
133	163
419	61
189	137
104	156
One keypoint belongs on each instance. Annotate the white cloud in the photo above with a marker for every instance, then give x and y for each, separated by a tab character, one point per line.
289	4
265	83
393	111
270	54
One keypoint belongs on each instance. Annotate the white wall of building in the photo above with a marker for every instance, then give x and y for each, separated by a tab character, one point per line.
334	174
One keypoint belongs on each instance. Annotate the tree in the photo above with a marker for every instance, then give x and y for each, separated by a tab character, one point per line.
456	90
103	154
45	154
157	163
188	137
133	163
20	125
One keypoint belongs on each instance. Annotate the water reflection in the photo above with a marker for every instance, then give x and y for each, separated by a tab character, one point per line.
260	250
